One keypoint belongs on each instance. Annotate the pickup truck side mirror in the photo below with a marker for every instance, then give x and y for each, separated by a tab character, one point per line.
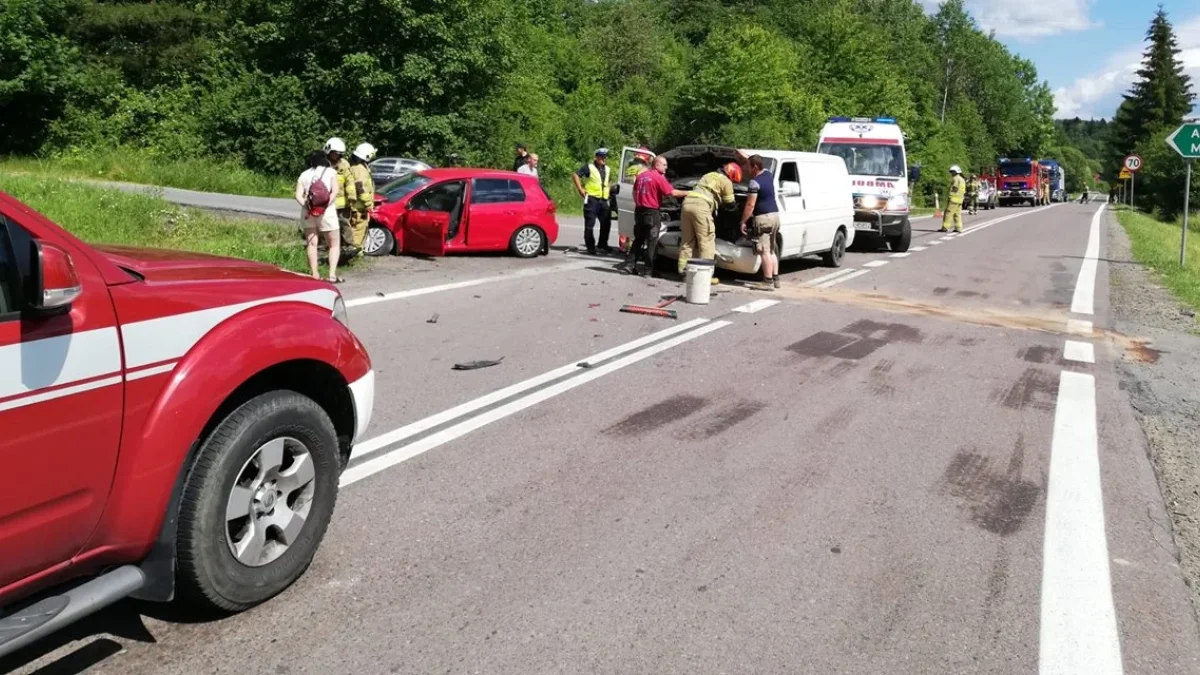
789	188
914	174
55	283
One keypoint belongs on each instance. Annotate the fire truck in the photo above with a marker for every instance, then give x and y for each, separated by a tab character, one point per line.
1023	181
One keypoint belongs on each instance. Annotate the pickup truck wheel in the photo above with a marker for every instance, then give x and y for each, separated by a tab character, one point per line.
257	502
901	242
379	241
833	257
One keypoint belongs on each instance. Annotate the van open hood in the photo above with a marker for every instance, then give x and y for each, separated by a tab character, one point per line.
693	161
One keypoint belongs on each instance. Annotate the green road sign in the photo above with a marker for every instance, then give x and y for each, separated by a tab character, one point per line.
1186	140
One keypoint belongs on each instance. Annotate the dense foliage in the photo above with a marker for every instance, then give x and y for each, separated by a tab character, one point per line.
260	81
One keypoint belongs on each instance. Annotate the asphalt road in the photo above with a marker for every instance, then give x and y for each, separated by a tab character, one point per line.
920	463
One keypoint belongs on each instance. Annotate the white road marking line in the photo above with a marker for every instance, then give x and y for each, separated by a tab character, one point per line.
1084	300
916	249
997	221
903	255
1084	352
392	458
1080	327
756	306
848	277
1078	620
935	242
876	263
831	275
395	436
414	292
947	237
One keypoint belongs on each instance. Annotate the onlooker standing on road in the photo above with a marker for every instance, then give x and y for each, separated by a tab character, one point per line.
762	214
529	168
648	190
593	182
361	199
521	158
335	148
317	193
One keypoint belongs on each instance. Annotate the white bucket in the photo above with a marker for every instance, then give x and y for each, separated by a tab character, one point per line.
698	280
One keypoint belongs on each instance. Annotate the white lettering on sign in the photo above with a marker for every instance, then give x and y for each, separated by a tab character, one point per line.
1195	132
1196	148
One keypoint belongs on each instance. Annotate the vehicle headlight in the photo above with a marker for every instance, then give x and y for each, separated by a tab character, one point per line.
869	202
339	312
898	203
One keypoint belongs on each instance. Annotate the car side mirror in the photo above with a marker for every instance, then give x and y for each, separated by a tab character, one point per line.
790	188
55	283
914	174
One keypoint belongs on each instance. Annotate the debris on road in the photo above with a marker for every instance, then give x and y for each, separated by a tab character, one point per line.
475	365
658	310
593	305
432	319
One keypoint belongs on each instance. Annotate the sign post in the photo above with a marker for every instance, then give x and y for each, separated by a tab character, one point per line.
1133	164
1186	141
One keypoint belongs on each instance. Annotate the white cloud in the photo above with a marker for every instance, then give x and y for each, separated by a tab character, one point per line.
1028	20
1098	94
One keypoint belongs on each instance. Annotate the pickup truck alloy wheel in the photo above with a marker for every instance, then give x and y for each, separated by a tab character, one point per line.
378	241
257	502
527	241
268	505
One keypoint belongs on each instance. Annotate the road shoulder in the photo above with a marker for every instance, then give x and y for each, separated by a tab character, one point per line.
1161	383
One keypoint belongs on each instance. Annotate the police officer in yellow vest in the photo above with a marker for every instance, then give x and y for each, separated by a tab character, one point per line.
361	199
952	220
335	148
593	182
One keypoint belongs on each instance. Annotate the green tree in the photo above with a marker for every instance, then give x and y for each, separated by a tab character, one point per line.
37	70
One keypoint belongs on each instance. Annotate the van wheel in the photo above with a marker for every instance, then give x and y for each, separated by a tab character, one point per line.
379	241
902	241
257	502
527	241
833	257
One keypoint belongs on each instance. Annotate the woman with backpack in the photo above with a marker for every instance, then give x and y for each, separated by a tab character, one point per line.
316	190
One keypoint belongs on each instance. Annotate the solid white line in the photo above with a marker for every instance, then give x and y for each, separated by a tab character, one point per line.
1084	300
902	255
397	435
1080	327
59	393
831	275
150	372
756	306
876	263
916	249
403	453
1078	621
848	277
935	243
1084	352
414	292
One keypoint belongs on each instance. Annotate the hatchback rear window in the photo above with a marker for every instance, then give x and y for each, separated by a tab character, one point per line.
496	191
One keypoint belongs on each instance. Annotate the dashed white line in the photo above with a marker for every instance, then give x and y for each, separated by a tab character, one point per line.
916	249
1078	620
935	242
1080	327
1084	300
756	306
1083	352
414	292
832	275
902	255
876	263
848	277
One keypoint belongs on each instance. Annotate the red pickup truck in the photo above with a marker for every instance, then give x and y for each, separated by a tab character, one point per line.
172	425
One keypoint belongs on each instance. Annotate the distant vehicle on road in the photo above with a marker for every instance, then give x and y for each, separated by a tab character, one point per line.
1022	180
1058	180
174	425
440	211
819	221
987	193
387	169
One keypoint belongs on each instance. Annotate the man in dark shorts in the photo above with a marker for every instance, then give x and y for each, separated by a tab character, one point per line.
760	218
648	190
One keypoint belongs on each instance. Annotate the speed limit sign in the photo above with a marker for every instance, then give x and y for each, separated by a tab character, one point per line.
1133	163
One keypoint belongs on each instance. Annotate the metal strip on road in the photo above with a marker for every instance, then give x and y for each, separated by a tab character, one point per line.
1084	300
414	292
357	472
1078	619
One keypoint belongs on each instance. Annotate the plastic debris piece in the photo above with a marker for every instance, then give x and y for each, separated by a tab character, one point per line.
475	365
432	319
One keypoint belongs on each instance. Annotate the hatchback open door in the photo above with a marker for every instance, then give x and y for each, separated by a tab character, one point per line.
433	216
633	162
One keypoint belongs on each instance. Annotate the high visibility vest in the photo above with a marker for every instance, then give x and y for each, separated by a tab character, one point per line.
957	187
595	184
632	171
344	182
361	187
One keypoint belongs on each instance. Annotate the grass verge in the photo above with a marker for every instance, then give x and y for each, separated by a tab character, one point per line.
134	166
103	216
1155	244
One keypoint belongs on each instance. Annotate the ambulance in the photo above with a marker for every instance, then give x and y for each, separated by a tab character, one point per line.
873	150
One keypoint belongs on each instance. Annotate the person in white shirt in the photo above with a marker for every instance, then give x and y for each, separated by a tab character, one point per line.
318	212
529	168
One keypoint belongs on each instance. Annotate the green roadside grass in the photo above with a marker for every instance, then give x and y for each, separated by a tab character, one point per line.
102	216
133	166
1155	244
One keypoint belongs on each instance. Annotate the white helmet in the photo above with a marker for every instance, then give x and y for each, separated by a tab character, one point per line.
335	144
365	152
955	169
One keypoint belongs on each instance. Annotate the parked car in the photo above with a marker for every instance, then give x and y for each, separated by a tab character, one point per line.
174	425
816	205
440	211
987	195
387	169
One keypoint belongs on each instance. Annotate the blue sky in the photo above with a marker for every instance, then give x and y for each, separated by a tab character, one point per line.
1087	50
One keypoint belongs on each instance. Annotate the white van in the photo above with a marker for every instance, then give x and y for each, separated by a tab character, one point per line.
873	149
816	207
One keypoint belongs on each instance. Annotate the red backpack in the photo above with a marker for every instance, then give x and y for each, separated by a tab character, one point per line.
317	199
